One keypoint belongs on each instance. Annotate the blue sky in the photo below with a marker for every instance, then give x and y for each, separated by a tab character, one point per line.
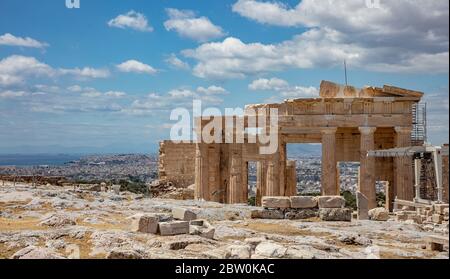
104	77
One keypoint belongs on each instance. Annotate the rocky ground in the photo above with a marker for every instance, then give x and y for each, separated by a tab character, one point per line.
63	222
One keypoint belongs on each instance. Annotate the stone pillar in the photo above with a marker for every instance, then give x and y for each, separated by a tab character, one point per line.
214	188
273	186
367	168
417	170
235	184
329	169
282	167
363	206
404	185
201	172
261	170
291	179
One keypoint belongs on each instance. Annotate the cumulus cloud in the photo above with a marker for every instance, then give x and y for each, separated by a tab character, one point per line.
283	89
187	25
134	66
178	97
10	94
212	90
177	63
268	84
11	40
385	39
15	69
132	20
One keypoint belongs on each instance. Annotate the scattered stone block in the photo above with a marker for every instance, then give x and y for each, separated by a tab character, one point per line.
303	202
401	216
379	214
335	214
254	241
173	228
116	189
120	254
270	250
331	202
238	252
363	206
437	218
439	208
183	214
300	214
267	214
202	228
436	243
276	202
145	223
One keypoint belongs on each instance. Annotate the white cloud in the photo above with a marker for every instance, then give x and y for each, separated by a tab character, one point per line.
177	63
212	90
186	24
135	66
388	39
86	72
11	40
9	94
283	89
15	69
132	20
115	94
268	84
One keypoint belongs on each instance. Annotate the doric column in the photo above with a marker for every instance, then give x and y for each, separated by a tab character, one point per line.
261	169
291	179
235	184
201	172
367	168
329	169
404	186
282	167
273	186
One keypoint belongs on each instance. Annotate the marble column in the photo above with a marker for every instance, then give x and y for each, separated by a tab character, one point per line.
235	183
291	179
367	167
404	185
201	172
329	168
261	170
273	186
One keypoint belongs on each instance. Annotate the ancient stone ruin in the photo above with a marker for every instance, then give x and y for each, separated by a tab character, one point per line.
348	122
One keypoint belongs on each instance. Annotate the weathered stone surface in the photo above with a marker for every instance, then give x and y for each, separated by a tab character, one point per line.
238	252
33	252
183	214
303	202
354	239
270	250
438	218
202	228
146	223
122	254
173	228
116	189
379	214
331	202
267	214
299	214
276	202
57	220
254	241
440	208
363	206
335	214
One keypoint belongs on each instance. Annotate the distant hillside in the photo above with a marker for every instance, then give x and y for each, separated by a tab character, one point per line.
304	150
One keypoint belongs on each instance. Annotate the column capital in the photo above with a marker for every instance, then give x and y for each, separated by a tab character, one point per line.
367	130
403	130
329	131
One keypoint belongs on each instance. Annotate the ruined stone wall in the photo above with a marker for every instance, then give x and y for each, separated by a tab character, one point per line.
177	163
